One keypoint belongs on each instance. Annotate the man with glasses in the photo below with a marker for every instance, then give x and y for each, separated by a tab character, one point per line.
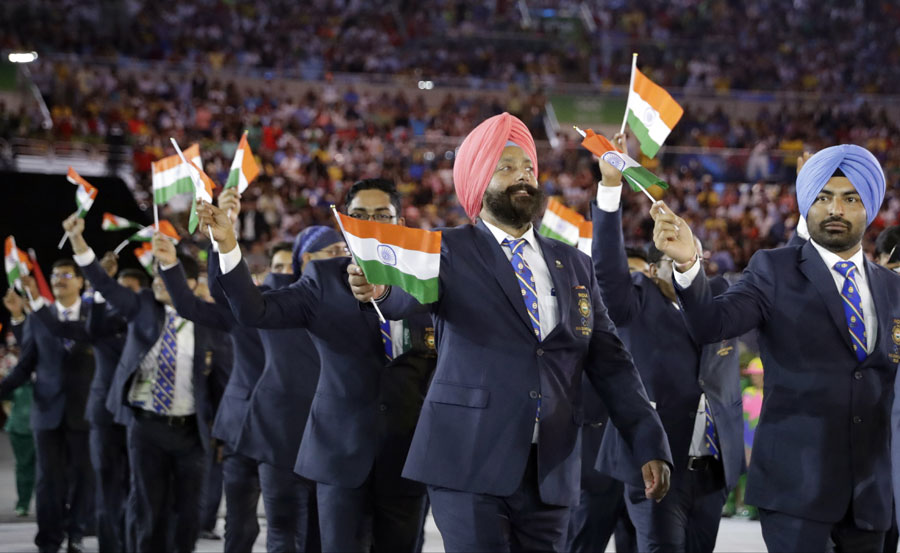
63	369
371	386
680	376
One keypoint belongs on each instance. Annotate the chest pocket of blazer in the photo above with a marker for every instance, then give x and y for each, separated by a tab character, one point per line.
456	394
581	316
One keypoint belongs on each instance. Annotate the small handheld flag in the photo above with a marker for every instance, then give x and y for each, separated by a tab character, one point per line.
244	168
651	112
85	195
16	264
114	222
586	236
146	234
561	223
144	255
203	187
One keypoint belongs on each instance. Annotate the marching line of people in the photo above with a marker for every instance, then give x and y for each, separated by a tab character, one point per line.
545	401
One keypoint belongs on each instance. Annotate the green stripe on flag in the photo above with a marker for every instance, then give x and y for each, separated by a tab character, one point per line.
641	175
234	178
181	186
648	146
548	232
425	291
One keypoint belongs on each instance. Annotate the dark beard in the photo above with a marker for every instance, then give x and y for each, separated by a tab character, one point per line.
835	241
516	212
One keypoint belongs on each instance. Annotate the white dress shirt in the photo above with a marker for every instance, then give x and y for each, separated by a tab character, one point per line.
829	258
72	313
141	393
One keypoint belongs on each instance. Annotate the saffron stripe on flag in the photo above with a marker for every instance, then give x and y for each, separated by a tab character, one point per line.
669	110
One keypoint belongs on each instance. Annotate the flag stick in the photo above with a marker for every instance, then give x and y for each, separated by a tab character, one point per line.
194	180
372	301
62	242
21	272
630	87
155	214
121	246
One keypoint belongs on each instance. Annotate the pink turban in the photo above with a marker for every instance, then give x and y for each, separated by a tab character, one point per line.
479	153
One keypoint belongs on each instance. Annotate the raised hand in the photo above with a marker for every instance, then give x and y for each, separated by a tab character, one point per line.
801	160
164	250
110	263
217	220
230	202
14	303
673	236
611	175
74	227
362	290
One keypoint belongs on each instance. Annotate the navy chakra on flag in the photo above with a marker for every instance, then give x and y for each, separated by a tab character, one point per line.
387	255
614	160
649	116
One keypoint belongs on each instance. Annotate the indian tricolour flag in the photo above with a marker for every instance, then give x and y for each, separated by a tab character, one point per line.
146	234
586	236
392	254
172	177
637	176
84	195
16	263
114	222
560	222
651	112
203	189
244	168
144	255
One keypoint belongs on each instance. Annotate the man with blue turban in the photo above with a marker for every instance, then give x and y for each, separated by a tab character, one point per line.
829	334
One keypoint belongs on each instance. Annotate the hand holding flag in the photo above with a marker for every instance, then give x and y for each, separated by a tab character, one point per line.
85	195
203	187
219	225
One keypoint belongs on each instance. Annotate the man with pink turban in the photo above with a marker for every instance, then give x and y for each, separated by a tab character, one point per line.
518	321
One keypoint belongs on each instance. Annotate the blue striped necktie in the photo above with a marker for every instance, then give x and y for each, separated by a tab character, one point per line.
526	282
853	308
67	343
164	386
711	437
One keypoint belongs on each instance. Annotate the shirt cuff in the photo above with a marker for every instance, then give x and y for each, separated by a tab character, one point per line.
229	260
84	259
98	297
37	303
15	322
685	279
167	267
609	198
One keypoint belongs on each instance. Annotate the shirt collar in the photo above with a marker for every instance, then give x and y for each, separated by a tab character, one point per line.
830	258
500	235
74	308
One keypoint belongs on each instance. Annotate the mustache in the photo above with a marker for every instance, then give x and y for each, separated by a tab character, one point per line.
836	219
522	187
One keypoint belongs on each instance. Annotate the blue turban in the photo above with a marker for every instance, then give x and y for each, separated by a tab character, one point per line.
857	164
311	240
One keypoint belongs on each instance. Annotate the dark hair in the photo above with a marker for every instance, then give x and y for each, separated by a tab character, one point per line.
887	240
385	185
67	262
137	274
653	254
838	173
189	264
639	253
281	247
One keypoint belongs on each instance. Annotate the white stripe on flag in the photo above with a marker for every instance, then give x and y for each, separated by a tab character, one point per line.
416	263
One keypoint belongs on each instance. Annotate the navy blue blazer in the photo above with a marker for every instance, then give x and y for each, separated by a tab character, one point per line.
675	369
145	318
249	356
823	439
105	332
363	410
476	426
62	378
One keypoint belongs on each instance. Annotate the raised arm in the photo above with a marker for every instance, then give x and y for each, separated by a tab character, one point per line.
710	318
185	302
123	299
28	355
620	295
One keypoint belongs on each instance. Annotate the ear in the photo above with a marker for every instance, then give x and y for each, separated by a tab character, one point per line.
401	221
305	258
653	270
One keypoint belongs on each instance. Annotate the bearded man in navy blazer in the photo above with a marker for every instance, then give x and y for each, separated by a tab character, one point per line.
518	320
828	321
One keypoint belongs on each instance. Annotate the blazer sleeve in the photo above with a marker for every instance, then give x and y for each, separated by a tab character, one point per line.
620	295
743	307
295	306
610	369
191	307
72	330
19	330
124	300
21	373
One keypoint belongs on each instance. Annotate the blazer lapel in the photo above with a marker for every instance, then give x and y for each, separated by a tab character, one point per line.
502	269
819	275
552	252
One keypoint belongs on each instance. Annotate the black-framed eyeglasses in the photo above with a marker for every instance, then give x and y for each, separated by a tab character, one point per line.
377	217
